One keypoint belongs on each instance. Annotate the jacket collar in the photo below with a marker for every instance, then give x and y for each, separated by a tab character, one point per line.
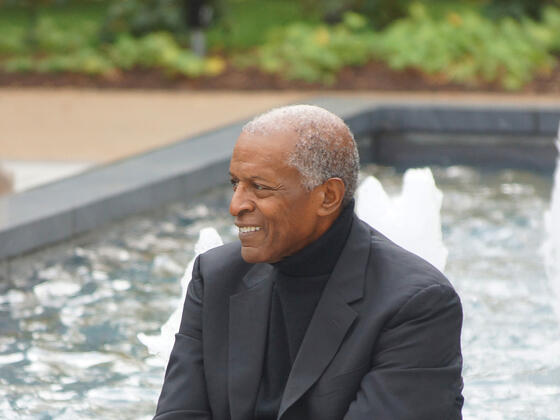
248	312
333	316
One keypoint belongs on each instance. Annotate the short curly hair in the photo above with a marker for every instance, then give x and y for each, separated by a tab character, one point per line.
325	147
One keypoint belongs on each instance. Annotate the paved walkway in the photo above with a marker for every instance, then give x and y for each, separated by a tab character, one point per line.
49	133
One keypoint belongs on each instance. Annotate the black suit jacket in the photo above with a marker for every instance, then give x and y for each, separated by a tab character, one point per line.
383	343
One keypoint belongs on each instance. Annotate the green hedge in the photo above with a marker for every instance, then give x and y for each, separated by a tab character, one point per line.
314	53
467	48
453	41
470	48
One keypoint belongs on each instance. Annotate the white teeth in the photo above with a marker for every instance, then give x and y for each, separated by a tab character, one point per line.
248	229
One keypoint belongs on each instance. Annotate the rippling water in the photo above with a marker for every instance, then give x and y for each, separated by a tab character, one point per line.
70	317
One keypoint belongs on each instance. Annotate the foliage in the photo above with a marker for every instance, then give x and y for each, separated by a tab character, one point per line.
244	24
518	9
86	61
67	40
160	50
468	47
54	28
156	50
315	53
379	12
464	40
12	38
139	17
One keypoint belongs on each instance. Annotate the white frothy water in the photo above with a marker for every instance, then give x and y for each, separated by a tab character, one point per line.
411	219
161	345
551	247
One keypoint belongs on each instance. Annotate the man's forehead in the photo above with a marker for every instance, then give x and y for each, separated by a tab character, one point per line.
278	144
261	155
276	136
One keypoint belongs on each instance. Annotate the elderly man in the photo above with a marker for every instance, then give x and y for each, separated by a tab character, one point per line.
312	315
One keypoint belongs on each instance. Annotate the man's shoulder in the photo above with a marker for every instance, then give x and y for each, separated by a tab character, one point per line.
396	276
223	264
400	267
222	257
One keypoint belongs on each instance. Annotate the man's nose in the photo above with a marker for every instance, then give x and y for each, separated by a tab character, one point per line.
240	202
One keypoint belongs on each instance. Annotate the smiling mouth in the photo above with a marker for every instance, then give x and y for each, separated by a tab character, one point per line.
248	229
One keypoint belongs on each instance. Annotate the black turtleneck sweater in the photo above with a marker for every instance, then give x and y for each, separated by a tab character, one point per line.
299	281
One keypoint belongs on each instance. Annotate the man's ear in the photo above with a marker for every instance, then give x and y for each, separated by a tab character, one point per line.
332	194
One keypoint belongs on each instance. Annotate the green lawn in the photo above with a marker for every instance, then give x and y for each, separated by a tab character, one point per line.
58	28
242	25
246	22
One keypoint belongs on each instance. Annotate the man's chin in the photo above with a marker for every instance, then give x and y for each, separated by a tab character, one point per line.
252	255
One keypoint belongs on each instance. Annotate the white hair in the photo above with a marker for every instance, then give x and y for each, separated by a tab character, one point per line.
325	147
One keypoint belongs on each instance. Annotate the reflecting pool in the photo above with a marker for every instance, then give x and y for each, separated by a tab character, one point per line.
70	317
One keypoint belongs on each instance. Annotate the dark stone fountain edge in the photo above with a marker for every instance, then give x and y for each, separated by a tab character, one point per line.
523	136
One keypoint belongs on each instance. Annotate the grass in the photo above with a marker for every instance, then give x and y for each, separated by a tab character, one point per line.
242	25
246	22
78	23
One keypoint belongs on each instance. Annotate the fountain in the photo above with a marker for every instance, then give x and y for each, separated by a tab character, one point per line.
551	247
161	345
71	333
411	219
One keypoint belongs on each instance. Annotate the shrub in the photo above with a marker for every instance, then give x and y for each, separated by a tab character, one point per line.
161	50
12	39
379	12
469	48
139	17
86	61
157	50
518	9
314	53
53	38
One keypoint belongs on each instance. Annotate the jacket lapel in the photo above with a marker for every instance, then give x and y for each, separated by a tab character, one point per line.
248	322
333	316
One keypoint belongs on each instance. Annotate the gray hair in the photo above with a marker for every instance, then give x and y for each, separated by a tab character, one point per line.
325	147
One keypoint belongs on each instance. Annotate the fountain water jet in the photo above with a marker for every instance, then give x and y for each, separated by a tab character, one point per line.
551	247
161	345
411	219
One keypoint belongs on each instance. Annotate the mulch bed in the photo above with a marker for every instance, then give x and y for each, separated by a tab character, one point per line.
374	76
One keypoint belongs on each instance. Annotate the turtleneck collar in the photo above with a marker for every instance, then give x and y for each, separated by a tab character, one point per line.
319	257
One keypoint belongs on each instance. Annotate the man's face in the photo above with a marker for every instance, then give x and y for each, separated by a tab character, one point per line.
276	215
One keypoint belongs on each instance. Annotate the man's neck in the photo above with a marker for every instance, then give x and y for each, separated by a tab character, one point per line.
320	256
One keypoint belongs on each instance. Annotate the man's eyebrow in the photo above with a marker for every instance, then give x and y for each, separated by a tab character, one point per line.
259	178
253	178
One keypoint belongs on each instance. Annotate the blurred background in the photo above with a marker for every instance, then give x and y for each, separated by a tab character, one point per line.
247	46
253	44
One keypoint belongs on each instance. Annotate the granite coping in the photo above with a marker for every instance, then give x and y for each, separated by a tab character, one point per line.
62	209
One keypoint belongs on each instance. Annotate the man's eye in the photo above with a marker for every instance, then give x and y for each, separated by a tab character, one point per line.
234	183
260	187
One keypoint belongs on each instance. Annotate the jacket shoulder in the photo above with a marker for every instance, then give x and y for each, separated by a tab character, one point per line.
399	269
223	263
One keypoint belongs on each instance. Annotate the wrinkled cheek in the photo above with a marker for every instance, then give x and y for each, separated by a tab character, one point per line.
259	252
269	247
252	255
